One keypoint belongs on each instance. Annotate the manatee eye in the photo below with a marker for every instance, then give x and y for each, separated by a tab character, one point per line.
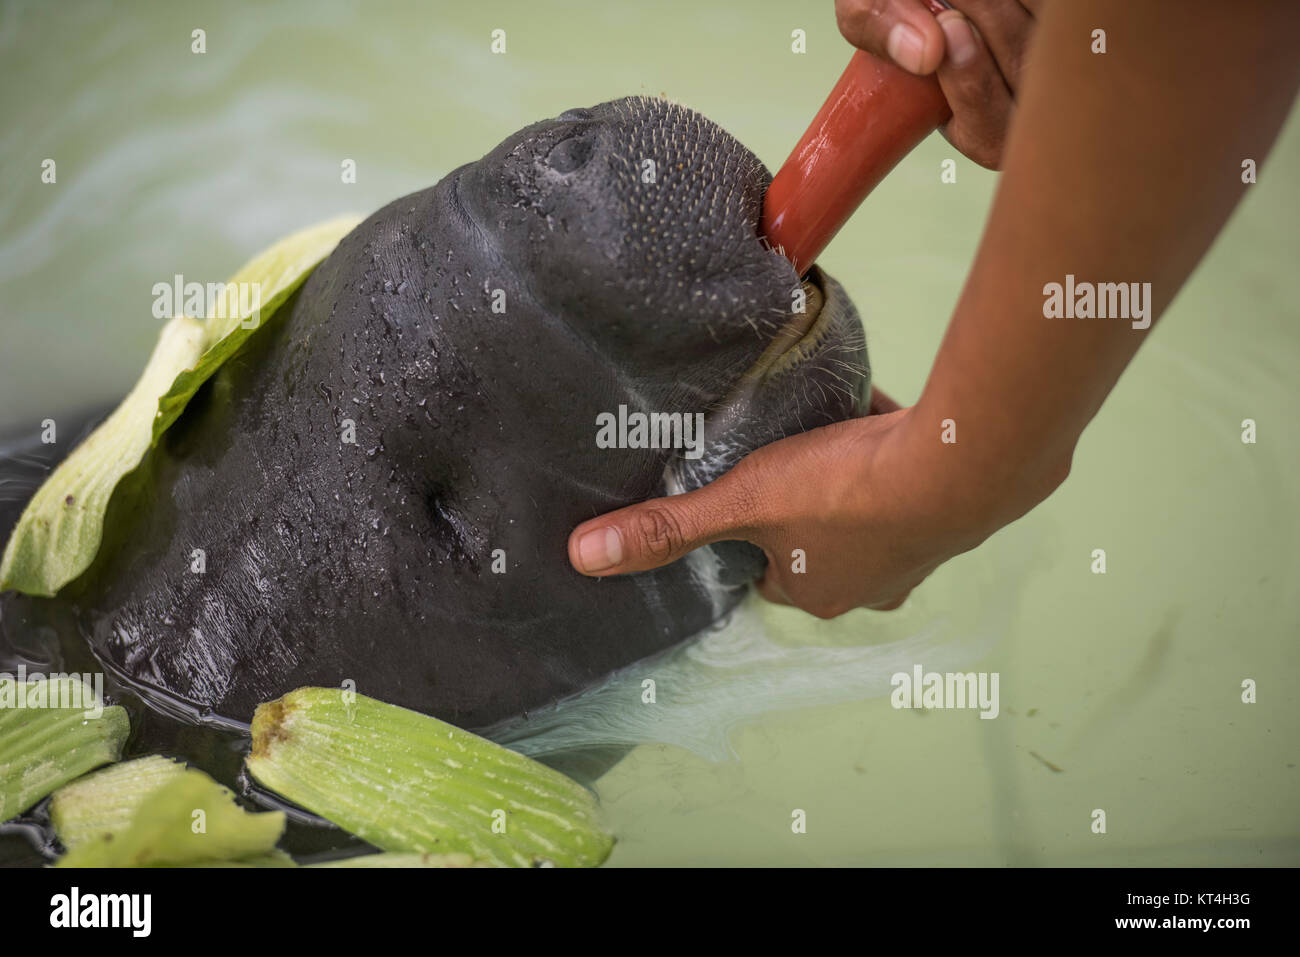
570	154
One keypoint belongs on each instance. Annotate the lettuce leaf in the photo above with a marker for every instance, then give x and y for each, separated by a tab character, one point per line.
61	731
408	783
189	819
59	533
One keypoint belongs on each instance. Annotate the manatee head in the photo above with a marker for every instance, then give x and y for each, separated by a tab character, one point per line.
382	483
634	224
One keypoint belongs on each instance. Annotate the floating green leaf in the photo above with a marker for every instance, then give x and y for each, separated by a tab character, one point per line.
406	782
59	533
189	819
43	746
105	803
274	858
276	273
405	860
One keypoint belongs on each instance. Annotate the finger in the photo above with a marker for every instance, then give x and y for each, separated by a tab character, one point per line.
655	533
771	589
980	100
892	604
1005	28
898	598
901	31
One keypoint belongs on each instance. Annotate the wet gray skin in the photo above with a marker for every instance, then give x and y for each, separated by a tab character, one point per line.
475	431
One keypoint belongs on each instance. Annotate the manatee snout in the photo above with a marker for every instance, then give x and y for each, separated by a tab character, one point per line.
637	221
473	334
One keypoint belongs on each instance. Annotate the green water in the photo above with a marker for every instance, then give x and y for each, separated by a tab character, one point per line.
1129	682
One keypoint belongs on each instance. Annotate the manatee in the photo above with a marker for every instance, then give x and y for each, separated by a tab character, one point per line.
470	336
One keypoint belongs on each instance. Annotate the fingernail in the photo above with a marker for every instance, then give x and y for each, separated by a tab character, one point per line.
599	549
959	38
906	47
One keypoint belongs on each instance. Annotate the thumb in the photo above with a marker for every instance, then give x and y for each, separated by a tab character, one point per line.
904	32
662	530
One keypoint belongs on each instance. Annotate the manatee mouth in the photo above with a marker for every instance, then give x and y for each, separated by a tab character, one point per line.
794	347
799	337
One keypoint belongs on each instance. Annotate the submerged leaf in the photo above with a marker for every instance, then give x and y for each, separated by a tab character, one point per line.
43	747
406	782
59	533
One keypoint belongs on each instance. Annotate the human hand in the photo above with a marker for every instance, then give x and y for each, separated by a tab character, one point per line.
865	501
977	51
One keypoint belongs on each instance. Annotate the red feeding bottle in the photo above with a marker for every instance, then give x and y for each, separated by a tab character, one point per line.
875	115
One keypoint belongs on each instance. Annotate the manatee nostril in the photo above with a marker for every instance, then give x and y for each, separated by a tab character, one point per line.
568	155
578	113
